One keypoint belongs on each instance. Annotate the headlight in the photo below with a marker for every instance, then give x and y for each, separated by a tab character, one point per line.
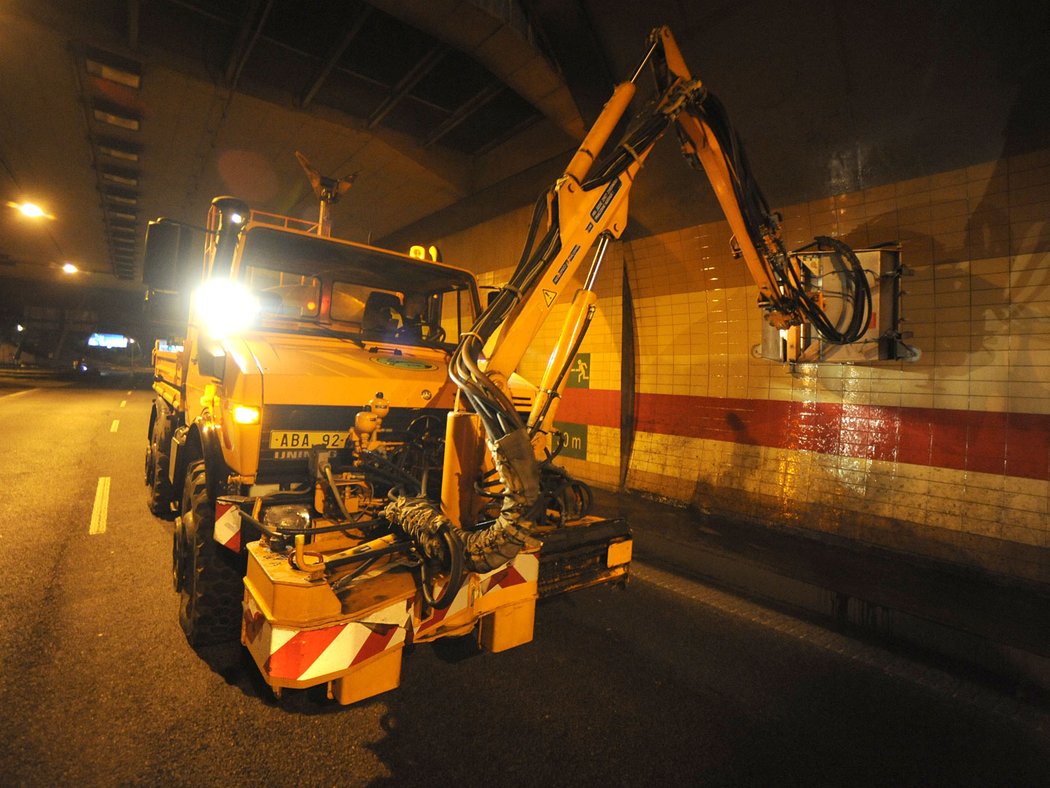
287	516
243	414
225	307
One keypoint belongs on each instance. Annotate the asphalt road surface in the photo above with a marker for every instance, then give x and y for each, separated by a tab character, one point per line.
660	683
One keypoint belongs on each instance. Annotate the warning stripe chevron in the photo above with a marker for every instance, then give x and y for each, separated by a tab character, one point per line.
524	569
300	655
379	639
303	649
459	603
228	526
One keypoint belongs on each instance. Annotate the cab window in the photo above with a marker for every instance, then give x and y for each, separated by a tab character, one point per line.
284	293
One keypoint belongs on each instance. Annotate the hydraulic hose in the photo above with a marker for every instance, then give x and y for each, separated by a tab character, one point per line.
437	540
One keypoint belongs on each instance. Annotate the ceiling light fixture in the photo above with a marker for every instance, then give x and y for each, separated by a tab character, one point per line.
115	151
30	210
121	199
120	177
115	115
117	69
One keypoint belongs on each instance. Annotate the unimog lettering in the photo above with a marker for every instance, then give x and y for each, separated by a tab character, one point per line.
291	455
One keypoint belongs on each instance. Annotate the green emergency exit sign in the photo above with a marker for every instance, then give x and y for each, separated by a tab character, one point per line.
580	372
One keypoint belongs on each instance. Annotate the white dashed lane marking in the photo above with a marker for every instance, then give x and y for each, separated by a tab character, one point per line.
17	394
101	507
114	425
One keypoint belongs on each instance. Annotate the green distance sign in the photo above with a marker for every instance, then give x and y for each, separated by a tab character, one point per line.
575	436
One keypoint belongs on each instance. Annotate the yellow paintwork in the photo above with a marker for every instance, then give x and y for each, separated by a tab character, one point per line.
703	143
327	371
297	369
464	454
509	626
378	674
619	553
267	367
168	393
579	231
600	132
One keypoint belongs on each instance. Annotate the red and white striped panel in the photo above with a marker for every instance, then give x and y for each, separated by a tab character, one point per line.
304	654
525	568
228	526
459	604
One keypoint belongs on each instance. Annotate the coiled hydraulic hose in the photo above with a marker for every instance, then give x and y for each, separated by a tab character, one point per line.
436	538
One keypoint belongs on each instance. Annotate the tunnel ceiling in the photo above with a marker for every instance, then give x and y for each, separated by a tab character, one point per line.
452	111
120	111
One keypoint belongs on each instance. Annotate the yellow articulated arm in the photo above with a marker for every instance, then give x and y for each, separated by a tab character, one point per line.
588	203
583	214
700	142
708	140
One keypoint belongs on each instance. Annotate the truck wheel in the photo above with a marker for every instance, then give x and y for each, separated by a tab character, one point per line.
160	494
209	578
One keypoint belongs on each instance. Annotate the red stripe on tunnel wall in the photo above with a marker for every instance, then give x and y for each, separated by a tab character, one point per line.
598	407
1014	444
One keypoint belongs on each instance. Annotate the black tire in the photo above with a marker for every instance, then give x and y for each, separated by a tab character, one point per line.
208	577
160	494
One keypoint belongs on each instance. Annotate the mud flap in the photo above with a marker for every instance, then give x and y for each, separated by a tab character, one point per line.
585	553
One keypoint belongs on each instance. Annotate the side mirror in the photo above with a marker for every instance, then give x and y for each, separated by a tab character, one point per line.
172	252
211	359
165	308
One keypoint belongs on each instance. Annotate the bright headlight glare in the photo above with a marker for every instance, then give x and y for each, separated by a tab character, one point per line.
244	414
225	307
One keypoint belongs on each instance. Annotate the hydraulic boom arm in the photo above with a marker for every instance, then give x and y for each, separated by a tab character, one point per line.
588	204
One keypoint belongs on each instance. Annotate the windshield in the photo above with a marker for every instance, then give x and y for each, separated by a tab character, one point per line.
316	284
284	293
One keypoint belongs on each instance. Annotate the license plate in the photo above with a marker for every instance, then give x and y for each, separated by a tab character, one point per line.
300	439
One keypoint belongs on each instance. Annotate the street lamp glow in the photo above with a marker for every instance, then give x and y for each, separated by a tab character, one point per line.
30	210
69	268
20	328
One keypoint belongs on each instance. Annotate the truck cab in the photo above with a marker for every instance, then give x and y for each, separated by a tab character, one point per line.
288	340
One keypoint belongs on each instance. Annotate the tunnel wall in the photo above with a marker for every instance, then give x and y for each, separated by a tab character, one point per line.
945	457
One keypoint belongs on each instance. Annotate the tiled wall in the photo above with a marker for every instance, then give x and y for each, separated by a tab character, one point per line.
947	456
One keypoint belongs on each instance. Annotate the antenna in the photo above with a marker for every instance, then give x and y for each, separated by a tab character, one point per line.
328	191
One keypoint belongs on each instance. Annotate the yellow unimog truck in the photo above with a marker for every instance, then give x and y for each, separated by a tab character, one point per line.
298	437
